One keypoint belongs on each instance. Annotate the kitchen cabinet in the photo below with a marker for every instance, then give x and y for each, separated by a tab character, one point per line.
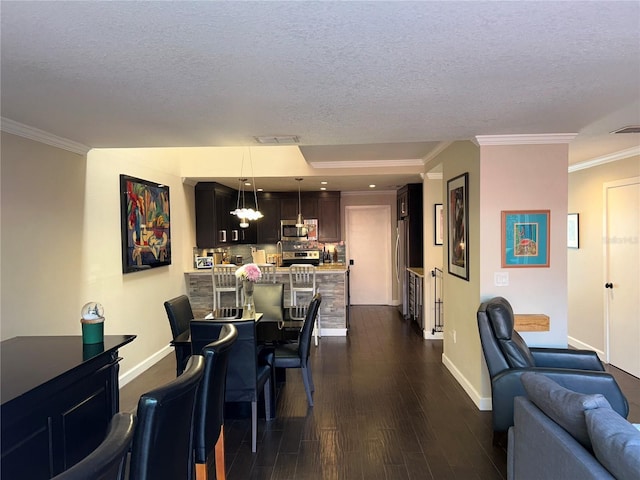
289	205
411	221
215	226
329	217
213	204
268	227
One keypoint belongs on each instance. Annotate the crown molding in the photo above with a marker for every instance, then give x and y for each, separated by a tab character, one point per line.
410	162
612	157
16	128
524	139
434	176
436	151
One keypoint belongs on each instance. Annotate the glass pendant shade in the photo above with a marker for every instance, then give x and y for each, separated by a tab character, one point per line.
245	215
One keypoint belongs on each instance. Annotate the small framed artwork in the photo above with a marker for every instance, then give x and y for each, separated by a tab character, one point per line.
438	224
145	224
525	238
458	225
573	231
204	262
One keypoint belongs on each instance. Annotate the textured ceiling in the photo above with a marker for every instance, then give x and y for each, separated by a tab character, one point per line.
346	77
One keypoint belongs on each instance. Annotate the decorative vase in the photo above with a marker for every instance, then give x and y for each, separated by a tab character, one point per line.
248	307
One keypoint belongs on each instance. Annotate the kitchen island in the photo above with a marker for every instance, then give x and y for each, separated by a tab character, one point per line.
331	282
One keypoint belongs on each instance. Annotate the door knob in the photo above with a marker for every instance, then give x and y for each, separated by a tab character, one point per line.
608	285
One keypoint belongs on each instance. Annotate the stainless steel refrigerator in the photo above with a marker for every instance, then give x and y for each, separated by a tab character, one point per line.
401	266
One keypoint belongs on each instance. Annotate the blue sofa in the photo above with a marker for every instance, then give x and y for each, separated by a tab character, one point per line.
562	434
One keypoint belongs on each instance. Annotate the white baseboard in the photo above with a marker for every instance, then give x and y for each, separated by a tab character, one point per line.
333	332
427	335
129	375
483	403
574	342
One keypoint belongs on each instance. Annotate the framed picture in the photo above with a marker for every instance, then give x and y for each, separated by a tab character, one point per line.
145	224
438	224
458	225
204	263
573	231
525	238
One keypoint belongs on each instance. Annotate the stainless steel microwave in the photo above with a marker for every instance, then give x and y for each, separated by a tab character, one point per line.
289	231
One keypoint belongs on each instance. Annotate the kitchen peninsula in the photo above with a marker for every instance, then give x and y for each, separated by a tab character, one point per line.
331	281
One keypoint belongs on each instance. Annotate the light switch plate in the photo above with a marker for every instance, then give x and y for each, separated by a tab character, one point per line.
501	279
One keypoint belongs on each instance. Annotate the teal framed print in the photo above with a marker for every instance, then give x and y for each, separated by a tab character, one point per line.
525	238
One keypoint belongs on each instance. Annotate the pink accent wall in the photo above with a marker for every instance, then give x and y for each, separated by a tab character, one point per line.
526	177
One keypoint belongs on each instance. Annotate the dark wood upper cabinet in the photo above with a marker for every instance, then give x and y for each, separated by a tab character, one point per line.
329	217
268	226
214	203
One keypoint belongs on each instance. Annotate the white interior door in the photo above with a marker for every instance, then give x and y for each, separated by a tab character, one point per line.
622	273
369	246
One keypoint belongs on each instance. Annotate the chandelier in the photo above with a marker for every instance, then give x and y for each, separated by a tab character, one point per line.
244	214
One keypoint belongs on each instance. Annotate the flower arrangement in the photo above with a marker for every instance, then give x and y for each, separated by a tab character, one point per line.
250	272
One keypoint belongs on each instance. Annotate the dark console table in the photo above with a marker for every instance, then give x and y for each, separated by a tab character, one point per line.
58	397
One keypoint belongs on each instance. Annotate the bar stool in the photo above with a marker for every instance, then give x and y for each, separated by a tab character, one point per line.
268	273
224	280
302	280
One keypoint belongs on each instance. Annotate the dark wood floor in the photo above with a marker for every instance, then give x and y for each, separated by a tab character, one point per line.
385	407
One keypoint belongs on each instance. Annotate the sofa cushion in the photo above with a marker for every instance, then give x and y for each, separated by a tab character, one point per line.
563	406
615	441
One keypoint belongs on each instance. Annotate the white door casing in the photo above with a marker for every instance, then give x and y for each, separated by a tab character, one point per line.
368	240
622	273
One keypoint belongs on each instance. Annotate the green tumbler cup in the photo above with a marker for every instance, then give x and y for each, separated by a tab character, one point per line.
92	332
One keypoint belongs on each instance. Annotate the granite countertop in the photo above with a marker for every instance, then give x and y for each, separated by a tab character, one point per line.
416	270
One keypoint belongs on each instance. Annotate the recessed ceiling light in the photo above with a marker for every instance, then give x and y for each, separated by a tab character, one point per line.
323	188
260	189
247	184
372	186
323	183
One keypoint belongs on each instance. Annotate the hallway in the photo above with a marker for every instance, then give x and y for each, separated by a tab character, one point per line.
385	408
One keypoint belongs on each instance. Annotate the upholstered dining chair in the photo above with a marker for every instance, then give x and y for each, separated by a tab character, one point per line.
508	357
163	441
108	460
208	426
269	300
249	373
296	355
180	315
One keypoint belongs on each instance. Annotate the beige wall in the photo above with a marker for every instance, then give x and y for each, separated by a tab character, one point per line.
585	265
463	357
61	245
43	198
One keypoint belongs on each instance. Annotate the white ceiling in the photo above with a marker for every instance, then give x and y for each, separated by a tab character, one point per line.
356	81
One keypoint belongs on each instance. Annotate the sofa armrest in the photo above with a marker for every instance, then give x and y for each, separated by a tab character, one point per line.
566	358
507	385
543	449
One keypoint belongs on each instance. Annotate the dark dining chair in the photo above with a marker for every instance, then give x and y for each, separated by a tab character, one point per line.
249	372
180	315
508	357
208	427
296	355
163	441
108	460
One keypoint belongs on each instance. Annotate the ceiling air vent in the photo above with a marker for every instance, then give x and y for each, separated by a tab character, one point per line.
278	139
629	129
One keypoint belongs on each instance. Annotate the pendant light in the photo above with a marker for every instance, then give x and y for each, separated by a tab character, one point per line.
299	220
246	214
